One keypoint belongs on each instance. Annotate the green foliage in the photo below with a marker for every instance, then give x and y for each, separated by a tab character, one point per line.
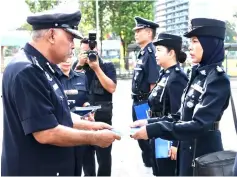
11	50
122	19
38	6
114	16
41	5
231	34
88	19
123	13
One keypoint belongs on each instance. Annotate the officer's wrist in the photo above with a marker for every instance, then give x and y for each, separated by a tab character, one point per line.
94	138
97	69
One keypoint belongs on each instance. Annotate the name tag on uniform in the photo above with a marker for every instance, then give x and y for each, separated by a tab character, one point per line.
55	86
138	69
162	84
139	62
197	88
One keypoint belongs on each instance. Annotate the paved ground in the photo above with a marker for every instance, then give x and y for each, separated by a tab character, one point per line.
126	154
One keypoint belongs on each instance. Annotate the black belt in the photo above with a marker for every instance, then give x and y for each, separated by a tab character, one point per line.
140	97
155	114
215	126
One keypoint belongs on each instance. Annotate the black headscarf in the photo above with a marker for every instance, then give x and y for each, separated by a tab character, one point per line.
213	50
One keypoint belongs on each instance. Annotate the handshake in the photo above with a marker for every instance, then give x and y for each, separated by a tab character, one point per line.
106	134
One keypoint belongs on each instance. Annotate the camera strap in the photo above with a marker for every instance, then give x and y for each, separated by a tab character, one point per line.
91	91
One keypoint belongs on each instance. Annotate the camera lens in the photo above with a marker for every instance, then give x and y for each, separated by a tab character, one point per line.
92	56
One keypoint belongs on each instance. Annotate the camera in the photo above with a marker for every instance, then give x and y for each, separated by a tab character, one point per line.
92	55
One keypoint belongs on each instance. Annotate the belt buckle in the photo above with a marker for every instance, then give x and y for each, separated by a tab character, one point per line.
149	112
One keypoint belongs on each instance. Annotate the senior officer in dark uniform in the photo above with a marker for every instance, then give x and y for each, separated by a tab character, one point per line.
206	97
39	130
145	74
165	98
76	88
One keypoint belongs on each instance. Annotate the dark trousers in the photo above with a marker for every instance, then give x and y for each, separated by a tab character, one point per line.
144	145
79	153
162	166
104	160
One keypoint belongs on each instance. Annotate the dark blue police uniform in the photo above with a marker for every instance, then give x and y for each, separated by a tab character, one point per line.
78	82
34	100
165	98
203	102
99	96
75	81
145	73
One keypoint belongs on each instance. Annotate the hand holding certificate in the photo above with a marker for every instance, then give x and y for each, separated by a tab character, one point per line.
84	110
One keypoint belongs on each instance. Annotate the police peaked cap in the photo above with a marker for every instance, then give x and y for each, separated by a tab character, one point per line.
144	23
169	40
207	27
54	19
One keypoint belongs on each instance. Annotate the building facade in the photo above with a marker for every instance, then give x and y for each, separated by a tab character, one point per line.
172	16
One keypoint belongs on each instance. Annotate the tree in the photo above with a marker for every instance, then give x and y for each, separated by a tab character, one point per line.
88	19
231	34
122	18
38	6
115	16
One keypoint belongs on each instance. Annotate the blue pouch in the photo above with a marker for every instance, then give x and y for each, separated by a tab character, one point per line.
141	111
162	148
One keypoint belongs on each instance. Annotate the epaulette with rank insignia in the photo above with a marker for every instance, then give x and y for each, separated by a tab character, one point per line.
149	49
220	69
177	69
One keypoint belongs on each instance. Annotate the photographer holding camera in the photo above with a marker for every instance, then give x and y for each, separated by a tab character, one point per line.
102	81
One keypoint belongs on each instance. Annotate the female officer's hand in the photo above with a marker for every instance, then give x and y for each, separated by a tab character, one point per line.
140	134
173	153
139	123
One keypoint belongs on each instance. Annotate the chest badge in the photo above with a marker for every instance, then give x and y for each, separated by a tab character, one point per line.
154	94
190	104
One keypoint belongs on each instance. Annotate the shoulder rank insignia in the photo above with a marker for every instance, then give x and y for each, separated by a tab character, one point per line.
219	69
149	49
167	71
177	69
203	72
